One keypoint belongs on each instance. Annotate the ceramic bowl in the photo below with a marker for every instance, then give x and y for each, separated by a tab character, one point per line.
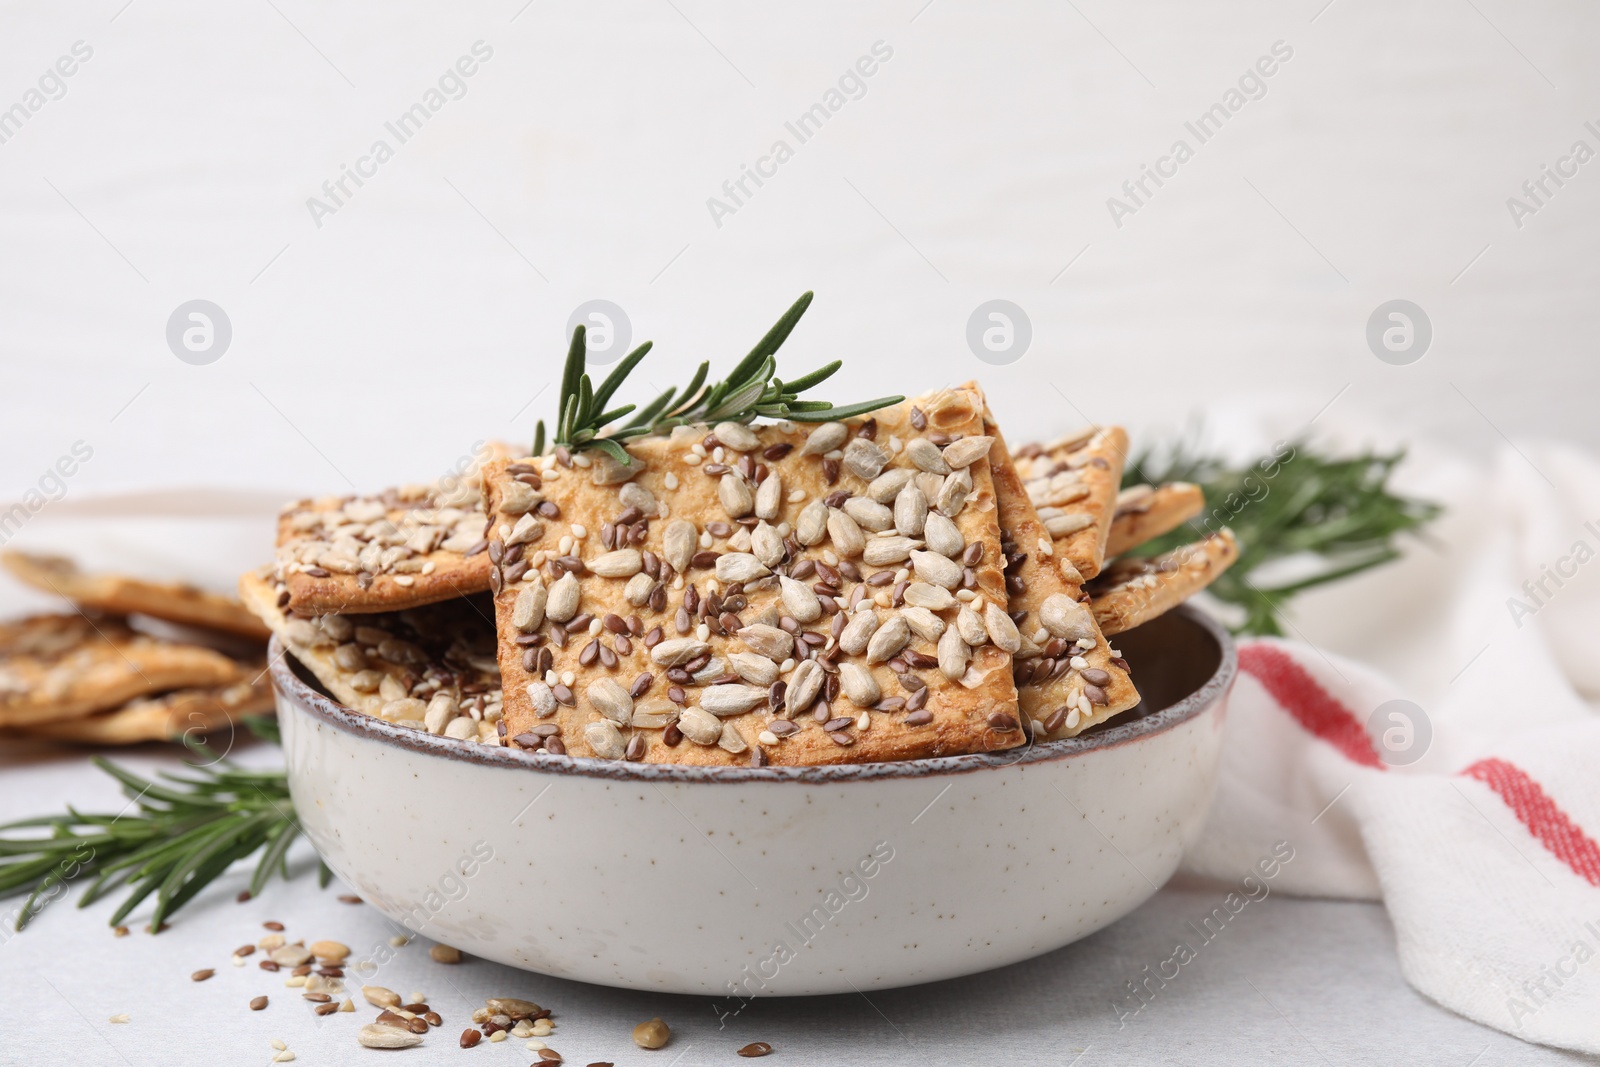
742	882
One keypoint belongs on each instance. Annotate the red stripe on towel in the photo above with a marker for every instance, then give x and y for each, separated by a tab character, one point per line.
1543	817
1300	695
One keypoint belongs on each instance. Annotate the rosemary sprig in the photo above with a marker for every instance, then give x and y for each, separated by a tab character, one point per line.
182	833
1319	516
753	390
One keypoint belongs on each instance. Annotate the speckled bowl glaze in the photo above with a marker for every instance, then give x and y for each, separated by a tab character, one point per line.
741	882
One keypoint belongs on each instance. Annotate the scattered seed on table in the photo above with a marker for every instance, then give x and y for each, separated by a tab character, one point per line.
258	1003
652	1034
273	925
119	931
349	898
470	1038
755	1048
445	954
202	975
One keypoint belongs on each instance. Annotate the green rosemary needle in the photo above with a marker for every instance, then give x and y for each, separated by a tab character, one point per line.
1329	517
753	390
172	839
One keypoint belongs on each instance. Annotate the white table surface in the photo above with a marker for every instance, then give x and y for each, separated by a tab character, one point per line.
978	164
1287	982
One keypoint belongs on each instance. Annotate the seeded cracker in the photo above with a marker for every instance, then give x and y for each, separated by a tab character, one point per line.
658	619
117	594
1145	512
1134	591
1073	483
399	549
432	668
169	716
55	667
1067	677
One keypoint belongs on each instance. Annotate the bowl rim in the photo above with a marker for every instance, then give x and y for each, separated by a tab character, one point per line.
292	689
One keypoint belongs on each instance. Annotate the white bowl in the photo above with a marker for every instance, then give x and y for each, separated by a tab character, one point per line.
772	880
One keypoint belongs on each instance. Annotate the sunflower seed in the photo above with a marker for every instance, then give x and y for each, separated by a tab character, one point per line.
605	739
610	699
937	569
967	451
825	438
1064	525
848	540
869	514
622	563
1002	630
886	486
924	623
954	492
766	544
931	597
527	530
561	604
542	698
804	686
953	654
378	1035
970	627
942	536
634	495
1066	618
889	550
858	631
740	567
731	740
858	685
737	436
637	591
926	456
679	543
732	699
654	714
701	727
753	668
677	651
441	709
519	498
812	523
910	512
769	641
799	600
889	639
733	492
864	458
769	497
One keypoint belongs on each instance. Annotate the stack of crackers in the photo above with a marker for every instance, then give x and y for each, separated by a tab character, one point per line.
90	677
890	587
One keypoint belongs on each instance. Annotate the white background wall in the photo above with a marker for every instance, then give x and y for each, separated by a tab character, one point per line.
429	311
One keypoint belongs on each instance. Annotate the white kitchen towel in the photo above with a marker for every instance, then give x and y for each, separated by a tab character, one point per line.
1490	870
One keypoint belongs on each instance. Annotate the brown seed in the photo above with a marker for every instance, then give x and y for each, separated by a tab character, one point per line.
1002	722
470	1038
653	1034
268	965
671	736
1095	676
245	950
316	998
919	718
257	1003
122	931
444	954
754	1049
326	1009
276	926
202	975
